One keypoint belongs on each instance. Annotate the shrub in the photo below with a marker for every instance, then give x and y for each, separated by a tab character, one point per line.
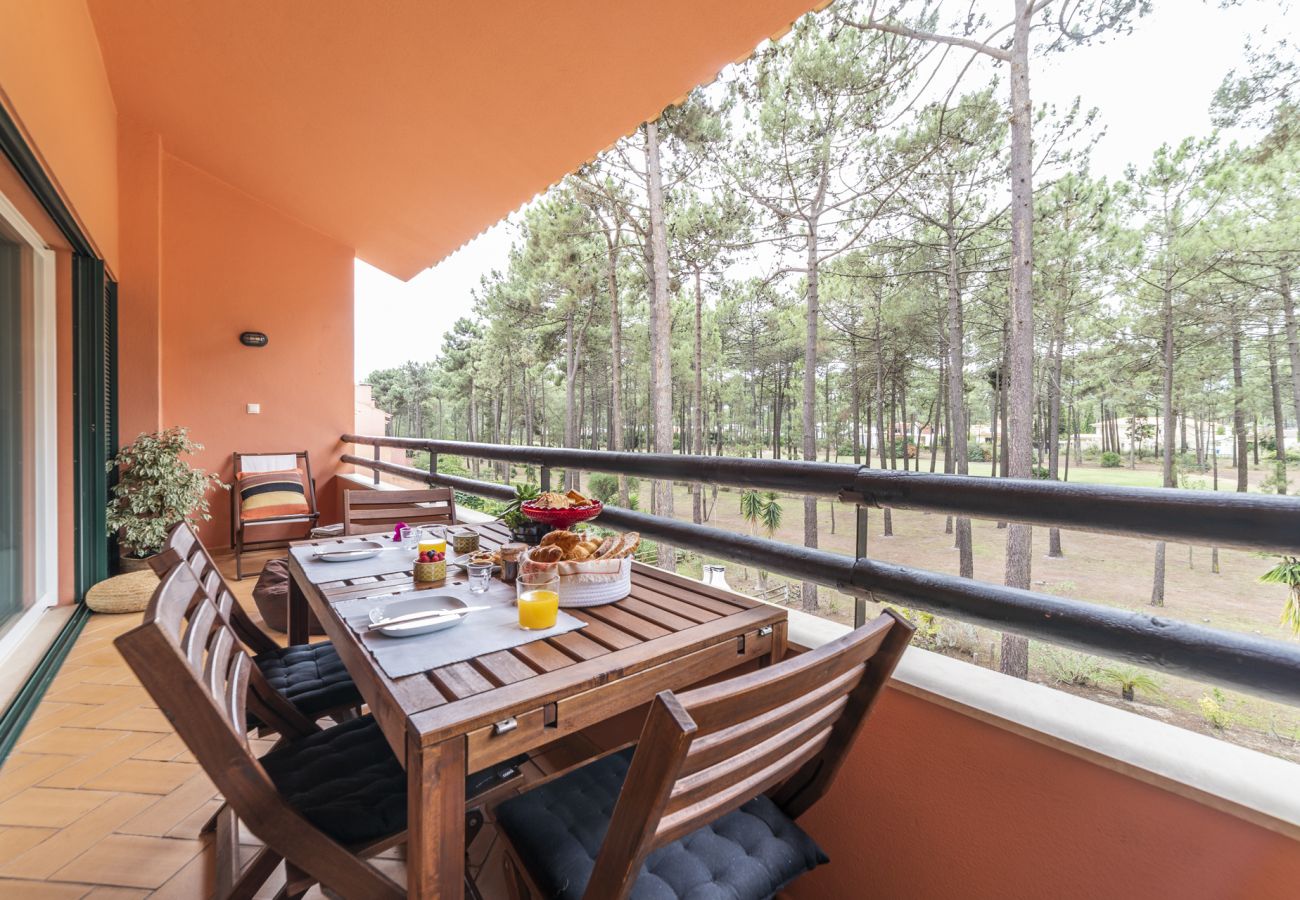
1042	473
603	486
977	453
1129	680
1111	460
1067	667
1213	711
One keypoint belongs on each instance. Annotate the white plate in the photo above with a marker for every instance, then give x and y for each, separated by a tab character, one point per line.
395	608
349	552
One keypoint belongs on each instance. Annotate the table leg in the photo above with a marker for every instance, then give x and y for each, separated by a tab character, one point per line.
299	631
780	638
435	836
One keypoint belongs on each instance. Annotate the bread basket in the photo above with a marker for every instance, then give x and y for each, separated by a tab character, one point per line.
587	582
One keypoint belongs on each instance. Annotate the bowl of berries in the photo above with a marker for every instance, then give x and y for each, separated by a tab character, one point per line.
561	511
430	565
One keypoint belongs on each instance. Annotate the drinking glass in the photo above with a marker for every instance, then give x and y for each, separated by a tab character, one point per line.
433	537
480	574
407	534
538	597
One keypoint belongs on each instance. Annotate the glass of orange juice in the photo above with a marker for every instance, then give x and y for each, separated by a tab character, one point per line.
538	597
433	537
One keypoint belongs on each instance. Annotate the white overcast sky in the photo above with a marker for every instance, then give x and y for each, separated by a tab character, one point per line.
1151	87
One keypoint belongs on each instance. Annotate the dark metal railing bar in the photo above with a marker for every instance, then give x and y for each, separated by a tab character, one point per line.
1260	666
1256	522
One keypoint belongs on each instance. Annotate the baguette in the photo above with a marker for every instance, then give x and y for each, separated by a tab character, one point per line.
607	546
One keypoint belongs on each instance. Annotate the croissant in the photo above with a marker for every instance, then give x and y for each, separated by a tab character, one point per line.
551	554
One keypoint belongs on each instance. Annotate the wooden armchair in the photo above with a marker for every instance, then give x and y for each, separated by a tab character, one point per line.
272	491
366	512
689	803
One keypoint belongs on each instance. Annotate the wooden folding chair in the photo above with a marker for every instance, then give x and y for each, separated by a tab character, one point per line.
321	801
240	522
689	803
191	662
311	677
366	512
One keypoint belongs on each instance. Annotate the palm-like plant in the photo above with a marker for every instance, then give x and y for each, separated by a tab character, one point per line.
1287	572
761	509
1129	680
770	515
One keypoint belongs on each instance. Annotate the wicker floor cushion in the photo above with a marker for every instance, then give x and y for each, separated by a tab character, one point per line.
123	593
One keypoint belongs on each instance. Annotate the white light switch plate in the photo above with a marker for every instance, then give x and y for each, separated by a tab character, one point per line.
254	408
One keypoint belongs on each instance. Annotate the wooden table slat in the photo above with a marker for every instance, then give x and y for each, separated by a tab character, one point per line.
542	656
657	614
604	633
578	645
615	615
673	605
460	680
503	667
647	587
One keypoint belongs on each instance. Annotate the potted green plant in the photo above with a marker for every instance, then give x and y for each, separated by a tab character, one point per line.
155	489
522	528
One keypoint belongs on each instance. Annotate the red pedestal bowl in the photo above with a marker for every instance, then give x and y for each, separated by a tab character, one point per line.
562	518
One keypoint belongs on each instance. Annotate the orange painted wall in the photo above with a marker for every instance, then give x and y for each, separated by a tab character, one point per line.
934	804
52	78
139	293
231	264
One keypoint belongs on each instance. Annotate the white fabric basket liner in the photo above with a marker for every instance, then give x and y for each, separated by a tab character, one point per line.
593	583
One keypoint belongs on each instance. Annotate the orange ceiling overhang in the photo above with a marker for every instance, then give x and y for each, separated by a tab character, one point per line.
403	128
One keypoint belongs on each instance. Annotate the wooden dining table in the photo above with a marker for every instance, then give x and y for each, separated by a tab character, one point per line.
444	723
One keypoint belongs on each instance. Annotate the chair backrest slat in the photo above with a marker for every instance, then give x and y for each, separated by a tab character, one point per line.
786	727
726	743
373	511
185	544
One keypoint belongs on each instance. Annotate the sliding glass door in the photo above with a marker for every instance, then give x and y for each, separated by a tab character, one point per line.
17	561
28	505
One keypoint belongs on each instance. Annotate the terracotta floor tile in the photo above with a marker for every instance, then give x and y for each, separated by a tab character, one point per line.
72	741
141	718
130	860
144	776
41	890
15	840
114	893
163	816
92	765
49	807
81	692
194	880
31	770
165	749
55	852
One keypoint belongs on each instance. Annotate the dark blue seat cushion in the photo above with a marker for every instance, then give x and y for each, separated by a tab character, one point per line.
748	854
345	780
311	677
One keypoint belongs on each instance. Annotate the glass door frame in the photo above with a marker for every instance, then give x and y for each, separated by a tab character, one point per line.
45	383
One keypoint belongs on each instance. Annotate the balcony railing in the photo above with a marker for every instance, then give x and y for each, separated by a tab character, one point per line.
1256	522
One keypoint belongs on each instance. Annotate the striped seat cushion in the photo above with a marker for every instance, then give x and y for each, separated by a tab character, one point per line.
268	495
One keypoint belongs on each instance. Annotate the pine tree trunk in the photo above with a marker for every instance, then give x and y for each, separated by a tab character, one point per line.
1015	650
697	418
960	428
809	590
1238	409
661	376
1279	422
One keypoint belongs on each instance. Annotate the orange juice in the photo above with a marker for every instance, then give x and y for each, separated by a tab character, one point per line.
427	544
538	609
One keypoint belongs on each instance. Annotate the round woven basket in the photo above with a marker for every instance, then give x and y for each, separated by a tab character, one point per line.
123	593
